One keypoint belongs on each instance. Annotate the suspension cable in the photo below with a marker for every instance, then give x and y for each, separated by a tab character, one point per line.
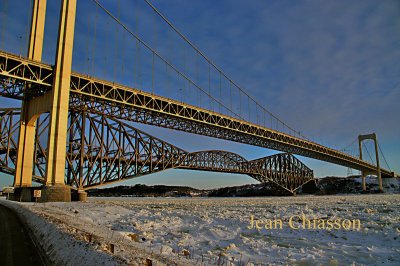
152	80
209	61
168	63
372	161
123	56
345	148
27	28
4	23
116	44
383	155
94	39
209	82
87	35
105	58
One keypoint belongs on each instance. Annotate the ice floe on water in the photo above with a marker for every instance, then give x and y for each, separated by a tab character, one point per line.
339	229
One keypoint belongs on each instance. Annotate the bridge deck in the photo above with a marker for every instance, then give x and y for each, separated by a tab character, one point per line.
118	101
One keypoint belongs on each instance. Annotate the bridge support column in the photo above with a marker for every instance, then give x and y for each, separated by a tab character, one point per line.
378	168
82	195
55	189
56	193
26	139
364	187
24	167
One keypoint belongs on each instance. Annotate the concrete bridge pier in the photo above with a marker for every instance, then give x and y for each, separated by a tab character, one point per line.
56	193
56	102
78	195
82	195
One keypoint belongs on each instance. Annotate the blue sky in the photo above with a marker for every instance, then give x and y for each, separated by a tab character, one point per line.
327	68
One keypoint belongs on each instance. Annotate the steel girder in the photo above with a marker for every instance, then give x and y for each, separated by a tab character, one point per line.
121	102
101	150
9	129
22	78
282	169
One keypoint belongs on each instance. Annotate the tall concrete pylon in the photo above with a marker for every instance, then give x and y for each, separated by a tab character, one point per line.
378	168
56	102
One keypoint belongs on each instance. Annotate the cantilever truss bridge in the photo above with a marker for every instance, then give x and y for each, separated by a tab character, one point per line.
20	75
102	150
88	116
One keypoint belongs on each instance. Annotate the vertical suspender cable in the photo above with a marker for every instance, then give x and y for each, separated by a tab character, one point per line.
20	49
230	94
27	28
105	58
264	119
148	47
4	23
87	37
170	24
152	81
123	57
136	49
240	103
209	83
383	155
197	70
248	107
365	147
257	114
184	69
116	45
166	78
136	65
220	92
138	68
94	39
271	120
179	89
169	77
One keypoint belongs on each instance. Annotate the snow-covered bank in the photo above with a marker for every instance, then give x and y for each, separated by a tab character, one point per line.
209	230
71	240
60	247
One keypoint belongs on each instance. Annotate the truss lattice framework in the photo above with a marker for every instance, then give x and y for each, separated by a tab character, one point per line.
18	76
283	169
9	129
103	97
102	150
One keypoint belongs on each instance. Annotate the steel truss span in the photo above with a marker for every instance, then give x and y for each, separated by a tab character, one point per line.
117	101
102	150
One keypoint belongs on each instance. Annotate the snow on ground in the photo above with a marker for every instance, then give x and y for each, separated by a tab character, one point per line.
60	247
215	230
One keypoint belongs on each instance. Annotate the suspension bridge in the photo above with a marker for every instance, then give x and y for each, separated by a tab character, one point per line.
73	130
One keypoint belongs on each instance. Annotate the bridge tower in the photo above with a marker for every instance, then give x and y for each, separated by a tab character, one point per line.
378	169
56	102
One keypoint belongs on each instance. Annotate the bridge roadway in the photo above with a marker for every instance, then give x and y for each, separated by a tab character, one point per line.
118	101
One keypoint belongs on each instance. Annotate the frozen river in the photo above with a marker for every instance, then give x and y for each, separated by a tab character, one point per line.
306	229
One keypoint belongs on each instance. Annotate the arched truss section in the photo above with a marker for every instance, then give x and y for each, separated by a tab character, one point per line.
215	160
283	169
103	150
